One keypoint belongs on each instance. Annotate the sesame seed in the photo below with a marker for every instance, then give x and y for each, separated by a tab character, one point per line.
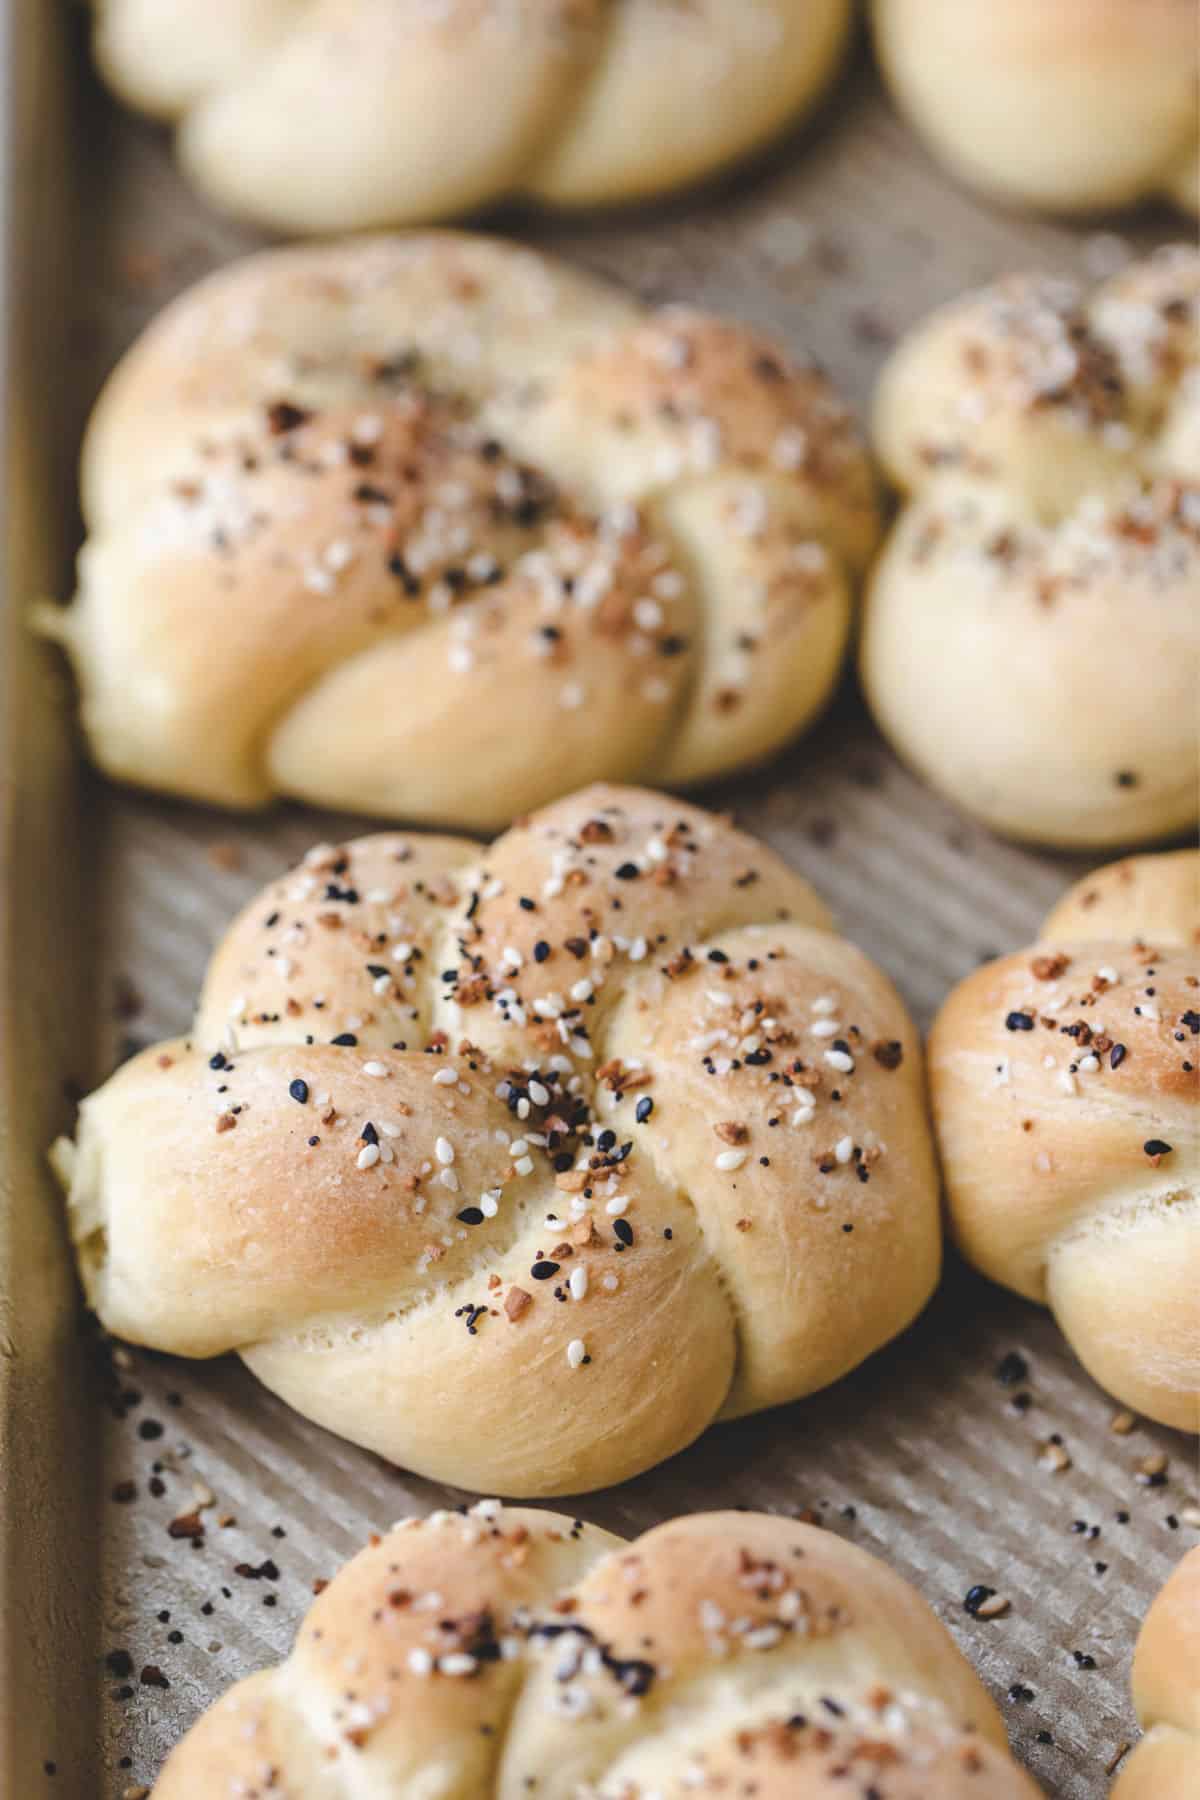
443	1149
420	1662
728	1160
843	1150
538	1094
446	1077
576	1351
822	1028
376	1069
578	1283
838	1059
458	1663
298	1090
368	1156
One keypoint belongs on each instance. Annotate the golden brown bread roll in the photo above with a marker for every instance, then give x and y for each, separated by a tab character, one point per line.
1068	105
436	528
345	114
1155	897
505	1652
1032	633
520	1166
1166	1692
1066	1098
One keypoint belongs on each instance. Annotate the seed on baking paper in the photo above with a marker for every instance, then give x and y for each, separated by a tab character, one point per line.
1052	1456
576	1352
1122	1423
1152	1469
578	1283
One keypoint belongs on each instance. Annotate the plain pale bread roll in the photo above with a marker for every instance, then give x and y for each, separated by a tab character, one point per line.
341	115
504	1652
1068	105
1066	1098
438	529
521	1165
1031	640
1166	1692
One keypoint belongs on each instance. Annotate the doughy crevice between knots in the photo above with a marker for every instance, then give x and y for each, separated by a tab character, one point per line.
1031	637
504	1652
439	529
336	115
1166	1692
1066	1097
520	1166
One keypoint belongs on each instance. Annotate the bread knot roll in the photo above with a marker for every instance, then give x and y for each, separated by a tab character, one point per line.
1166	1692
434	527
521	1166
1032	633
1066	1097
347	114
1073	106
502	1652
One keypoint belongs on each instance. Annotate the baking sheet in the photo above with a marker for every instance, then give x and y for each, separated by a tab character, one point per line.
114	1633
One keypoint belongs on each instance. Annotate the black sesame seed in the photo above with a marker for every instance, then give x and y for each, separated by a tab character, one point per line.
644	1108
369	1134
1019	1021
623	1230
541	951
470	1215
1156	1147
218	1060
627	871
543	1271
1119	1053
298	1090
1011	1369
346	1040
